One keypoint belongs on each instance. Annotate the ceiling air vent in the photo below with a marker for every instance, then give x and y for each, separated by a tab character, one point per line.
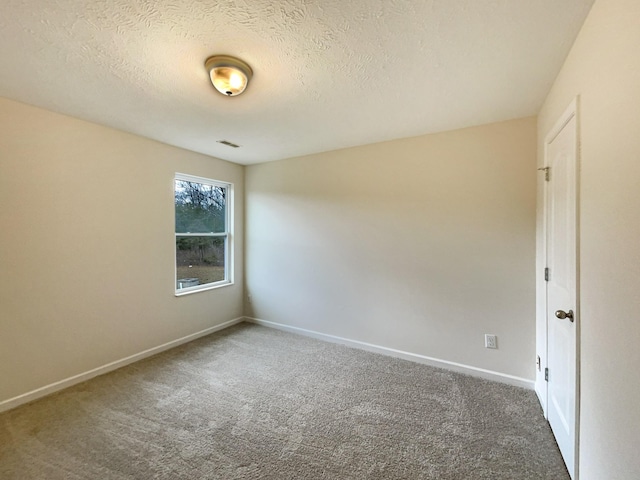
228	144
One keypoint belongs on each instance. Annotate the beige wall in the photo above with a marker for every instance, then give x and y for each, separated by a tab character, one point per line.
603	68
422	244
87	247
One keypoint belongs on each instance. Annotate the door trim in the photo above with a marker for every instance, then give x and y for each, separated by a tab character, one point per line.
572	111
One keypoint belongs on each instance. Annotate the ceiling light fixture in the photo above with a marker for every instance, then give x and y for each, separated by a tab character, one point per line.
229	75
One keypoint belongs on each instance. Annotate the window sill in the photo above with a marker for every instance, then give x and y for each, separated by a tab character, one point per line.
188	291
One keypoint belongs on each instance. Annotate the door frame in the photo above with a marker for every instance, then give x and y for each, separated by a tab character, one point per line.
572	111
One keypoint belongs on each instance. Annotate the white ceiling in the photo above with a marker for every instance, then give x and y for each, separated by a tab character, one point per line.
328	74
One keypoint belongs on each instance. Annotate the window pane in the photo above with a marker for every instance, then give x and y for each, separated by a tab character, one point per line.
200	208
199	260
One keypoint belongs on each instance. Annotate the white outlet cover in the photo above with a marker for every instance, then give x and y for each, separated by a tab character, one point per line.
490	341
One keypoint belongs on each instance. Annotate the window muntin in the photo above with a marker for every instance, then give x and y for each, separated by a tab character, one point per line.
202	233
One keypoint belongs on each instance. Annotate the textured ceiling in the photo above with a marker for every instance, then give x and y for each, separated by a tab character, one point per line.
328	74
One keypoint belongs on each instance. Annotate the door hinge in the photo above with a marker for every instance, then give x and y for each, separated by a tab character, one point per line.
546	374
546	173
546	274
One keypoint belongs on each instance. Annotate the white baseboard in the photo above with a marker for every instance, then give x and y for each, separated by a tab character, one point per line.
414	357
109	367
83	377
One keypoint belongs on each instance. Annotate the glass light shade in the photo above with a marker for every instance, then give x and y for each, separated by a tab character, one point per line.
228	81
229	75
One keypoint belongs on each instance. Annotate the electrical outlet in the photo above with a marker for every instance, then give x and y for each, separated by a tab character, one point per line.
490	341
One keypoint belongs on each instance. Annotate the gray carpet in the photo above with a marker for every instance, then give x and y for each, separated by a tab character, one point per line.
256	403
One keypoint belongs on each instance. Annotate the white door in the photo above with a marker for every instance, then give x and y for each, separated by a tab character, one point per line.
562	318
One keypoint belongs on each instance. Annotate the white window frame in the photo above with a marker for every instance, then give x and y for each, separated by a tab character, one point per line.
227	234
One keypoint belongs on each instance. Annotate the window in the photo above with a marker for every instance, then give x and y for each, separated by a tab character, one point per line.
202	233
